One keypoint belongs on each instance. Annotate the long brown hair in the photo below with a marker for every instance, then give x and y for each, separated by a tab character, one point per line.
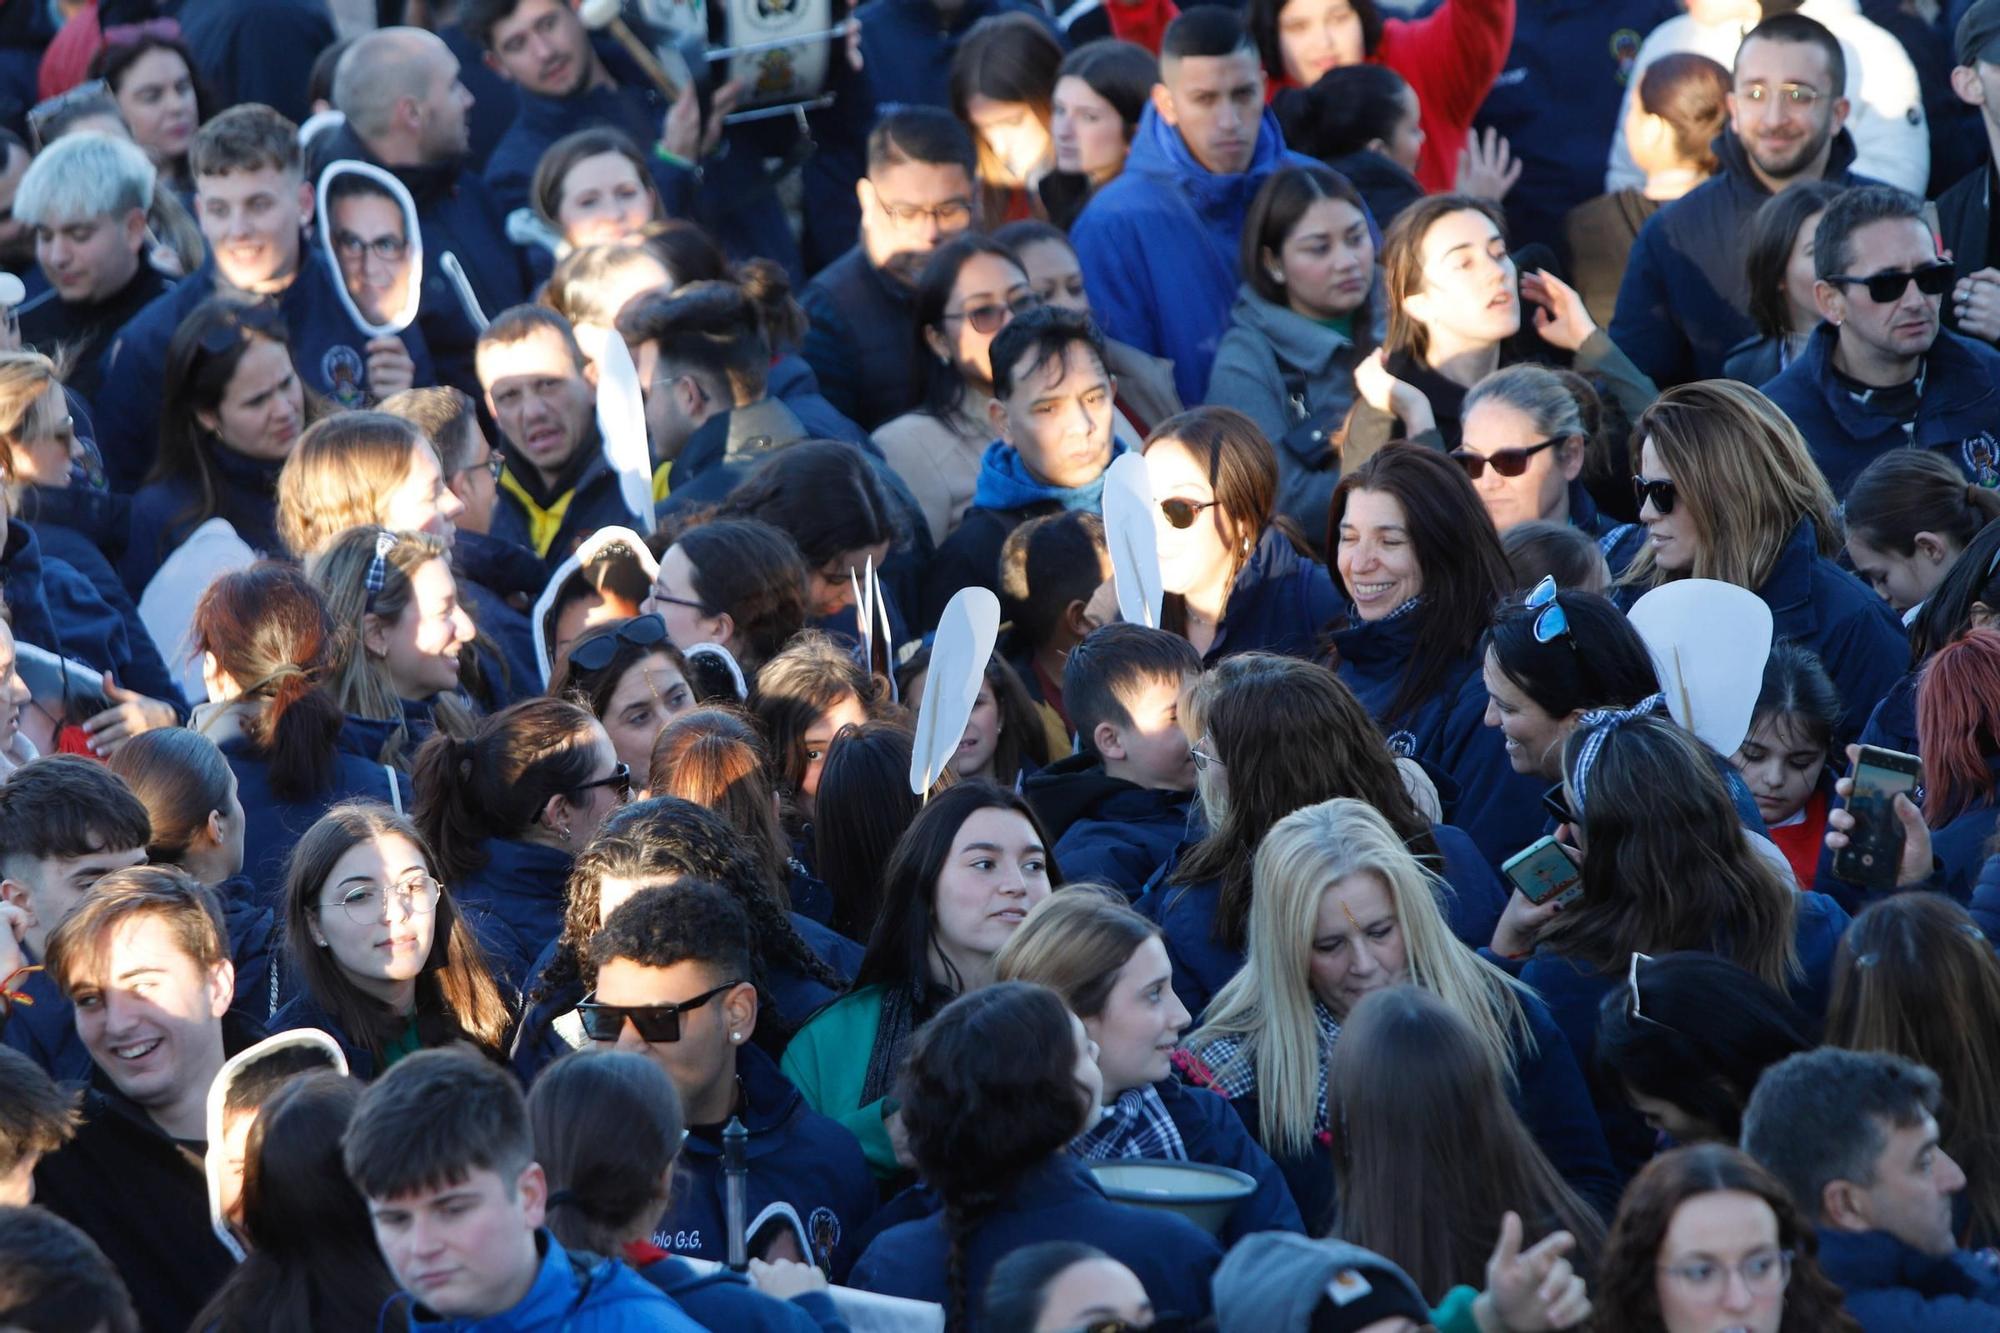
1915	977
1403	263
1429	1152
457	998
715	758
1289	734
496	782
1627	1288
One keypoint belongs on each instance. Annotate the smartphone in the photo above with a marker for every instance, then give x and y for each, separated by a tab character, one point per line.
1874	850
1542	870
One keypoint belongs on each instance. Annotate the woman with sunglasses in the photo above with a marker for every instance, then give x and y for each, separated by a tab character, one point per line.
971	287
1706	1238
232	410
1235	578
1422	571
1274	735
659	841
962	878
1524	444
1729	491
632	679
1342	909
507	809
384	963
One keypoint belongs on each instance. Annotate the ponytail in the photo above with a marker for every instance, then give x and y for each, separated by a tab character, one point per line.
495	782
299	733
1908	491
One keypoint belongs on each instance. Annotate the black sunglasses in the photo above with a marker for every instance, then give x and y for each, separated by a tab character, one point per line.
1931	279
653	1022
1181	513
1509	462
595	654
1557	804
1661	491
619	780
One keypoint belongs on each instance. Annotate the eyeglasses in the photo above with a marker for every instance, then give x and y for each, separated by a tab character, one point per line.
653	1022
991	318
1203	758
1883	288
492	465
639	632
1764	1273
693	604
951	215
1509	462
1632	1008
1799	95
619	779
388	249
1181	514
1551	621
364	902
1660	490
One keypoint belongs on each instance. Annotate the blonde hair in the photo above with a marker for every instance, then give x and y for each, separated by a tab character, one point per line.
1744	475
358	682
1269	1003
26	410
340	473
1075	942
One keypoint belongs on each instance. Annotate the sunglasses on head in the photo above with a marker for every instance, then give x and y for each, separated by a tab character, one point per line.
1509	462
1659	490
1883	288
1181	514
653	1022
989	317
595	654
1551	621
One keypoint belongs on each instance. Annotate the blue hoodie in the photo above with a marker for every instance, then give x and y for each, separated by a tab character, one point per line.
1158	246
329	352
1958	412
1281	602
1892	1288
794	1155
574	1293
514	904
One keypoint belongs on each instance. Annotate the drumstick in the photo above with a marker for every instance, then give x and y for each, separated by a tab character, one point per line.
604	15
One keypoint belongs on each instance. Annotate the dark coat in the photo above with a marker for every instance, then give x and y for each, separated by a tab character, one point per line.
1107	830
87	529
861	339
1281	602
489	571
722	1299
246	494
55	607
50	325
514	904
274	826
1891	1288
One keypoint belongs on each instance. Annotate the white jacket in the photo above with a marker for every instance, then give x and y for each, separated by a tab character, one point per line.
1891	140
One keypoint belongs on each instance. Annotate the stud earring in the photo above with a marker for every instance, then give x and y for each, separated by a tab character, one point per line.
564	833
736	1036
1278	276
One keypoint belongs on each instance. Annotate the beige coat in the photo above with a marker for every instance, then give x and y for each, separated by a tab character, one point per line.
939	460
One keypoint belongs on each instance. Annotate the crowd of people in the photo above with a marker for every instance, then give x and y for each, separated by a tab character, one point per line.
493	491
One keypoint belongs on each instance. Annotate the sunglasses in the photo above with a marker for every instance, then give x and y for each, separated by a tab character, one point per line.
1662	492
653	1022
1551	621
1181	514
1557	804
1509	462
990	317
1883	288
619	780
639	632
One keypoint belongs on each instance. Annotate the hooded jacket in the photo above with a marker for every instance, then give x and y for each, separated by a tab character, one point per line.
1958	411
87	530
1681	307
794	1154
55	607
574	1293
1107	830
1891	1287
329	352
1158	246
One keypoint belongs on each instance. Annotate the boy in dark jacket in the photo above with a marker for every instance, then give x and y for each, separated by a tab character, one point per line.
1119	806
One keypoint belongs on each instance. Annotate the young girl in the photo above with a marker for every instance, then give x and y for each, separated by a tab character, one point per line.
805	696
1784	755
1005	739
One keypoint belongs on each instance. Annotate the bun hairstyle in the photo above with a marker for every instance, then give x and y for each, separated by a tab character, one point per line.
495	782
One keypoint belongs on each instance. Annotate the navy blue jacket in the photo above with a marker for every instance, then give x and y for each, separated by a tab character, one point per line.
488	571
86	529
912	38
795	1155
1107	830
594	502
1681	307
722	1299
1893	724
1958	413
514	904
273	826
1892	1288
1059	1200
55	607
257	50
1212	1133
456	213
329	352
246	494
861	339
1447	733
1281	602
797	995
1203	964
794	382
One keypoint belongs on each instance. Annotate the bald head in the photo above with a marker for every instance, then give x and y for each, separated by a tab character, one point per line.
400	92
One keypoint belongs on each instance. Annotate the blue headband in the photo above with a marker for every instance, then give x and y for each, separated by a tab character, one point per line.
1600	723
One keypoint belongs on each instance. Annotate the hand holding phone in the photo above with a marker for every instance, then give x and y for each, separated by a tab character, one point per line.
1878	839
1543	870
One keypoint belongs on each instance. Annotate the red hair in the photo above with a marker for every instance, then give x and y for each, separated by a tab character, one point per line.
1958	724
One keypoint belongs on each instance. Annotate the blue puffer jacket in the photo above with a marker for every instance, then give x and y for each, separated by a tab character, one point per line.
514	904
1158	246
1892	1288
722	1299
1281	602
1203	964
578	1293
859	339
1107	830
1958	412
328	351
87	530
795	1155
1447	733
1681	308
1059	1200
246	495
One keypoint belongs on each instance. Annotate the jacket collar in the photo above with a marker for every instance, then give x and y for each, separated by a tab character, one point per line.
1872	1260
1273	560
1374	646
1306	344
768	1103
1743	179
102	516
1788	587
518	861
1158	151
1953	380
1005	484
427	182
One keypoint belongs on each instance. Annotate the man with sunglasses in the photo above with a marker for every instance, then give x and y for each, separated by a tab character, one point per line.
674	967
1880	372
1682	306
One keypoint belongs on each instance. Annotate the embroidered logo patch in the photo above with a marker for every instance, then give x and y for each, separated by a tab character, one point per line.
342	371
